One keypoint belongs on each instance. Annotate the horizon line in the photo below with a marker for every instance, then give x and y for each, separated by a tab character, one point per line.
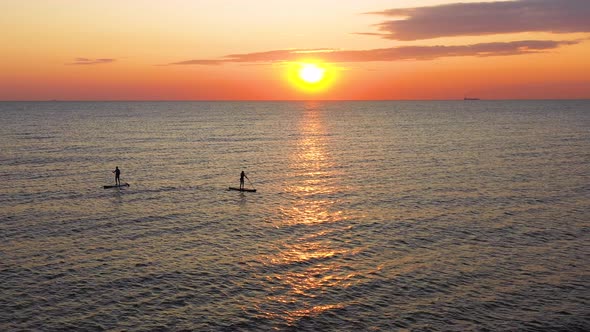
276	100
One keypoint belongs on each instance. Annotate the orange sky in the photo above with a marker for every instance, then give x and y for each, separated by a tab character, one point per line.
243	50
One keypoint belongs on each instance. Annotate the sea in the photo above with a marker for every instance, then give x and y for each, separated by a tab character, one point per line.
368	216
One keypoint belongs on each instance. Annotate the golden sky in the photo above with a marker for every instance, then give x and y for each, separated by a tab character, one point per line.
254	50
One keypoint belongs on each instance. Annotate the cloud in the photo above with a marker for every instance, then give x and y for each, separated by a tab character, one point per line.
86	61
486	18
457	19
268	56
199	62
390	54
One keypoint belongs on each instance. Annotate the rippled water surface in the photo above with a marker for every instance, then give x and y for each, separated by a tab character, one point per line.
368	216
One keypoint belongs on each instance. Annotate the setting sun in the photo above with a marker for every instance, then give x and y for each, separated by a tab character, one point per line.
311	73
312	76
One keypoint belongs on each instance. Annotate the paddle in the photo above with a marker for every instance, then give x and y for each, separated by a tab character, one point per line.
251	183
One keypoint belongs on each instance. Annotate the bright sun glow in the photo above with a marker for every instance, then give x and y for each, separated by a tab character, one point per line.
311	73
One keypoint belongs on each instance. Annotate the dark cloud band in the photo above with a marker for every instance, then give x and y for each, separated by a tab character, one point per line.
486	18
390	54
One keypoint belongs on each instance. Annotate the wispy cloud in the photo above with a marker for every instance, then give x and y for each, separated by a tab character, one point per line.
87	61
199	62
485	18
267	56
390	54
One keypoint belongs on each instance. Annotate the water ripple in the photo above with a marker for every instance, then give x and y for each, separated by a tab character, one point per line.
384	216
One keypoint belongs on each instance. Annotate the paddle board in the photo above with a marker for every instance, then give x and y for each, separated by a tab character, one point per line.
117	186
243	189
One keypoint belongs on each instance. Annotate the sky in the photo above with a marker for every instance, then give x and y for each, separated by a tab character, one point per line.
255	49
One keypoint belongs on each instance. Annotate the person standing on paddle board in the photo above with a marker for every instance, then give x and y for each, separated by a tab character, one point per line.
117	176
242	176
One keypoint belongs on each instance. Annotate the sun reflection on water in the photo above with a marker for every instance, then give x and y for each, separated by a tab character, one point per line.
309	264
312	168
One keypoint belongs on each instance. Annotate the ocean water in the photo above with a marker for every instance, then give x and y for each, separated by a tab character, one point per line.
368	216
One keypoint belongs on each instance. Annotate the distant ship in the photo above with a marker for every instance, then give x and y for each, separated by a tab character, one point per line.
469	98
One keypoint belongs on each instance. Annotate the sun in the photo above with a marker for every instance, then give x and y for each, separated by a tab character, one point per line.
312	76
311	73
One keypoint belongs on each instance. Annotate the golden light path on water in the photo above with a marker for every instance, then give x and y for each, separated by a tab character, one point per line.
313	166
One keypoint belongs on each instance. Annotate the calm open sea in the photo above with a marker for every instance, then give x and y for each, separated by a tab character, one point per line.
369	216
